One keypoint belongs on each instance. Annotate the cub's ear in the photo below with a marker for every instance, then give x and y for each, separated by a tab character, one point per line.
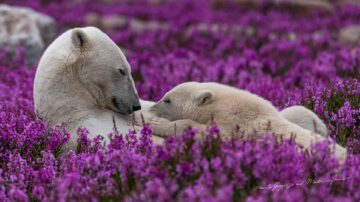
204	97
79	38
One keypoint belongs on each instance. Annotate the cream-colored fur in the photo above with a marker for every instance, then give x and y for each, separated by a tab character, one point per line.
305	118
84	80
198	104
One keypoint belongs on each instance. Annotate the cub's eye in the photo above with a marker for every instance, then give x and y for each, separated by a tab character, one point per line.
167	101
122	72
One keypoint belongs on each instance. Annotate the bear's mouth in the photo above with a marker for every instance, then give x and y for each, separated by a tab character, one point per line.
115	102
119	107
154	108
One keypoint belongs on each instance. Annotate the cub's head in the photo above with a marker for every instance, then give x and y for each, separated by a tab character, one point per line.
103	70
189	100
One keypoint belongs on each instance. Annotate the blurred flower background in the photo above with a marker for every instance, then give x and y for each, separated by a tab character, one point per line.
287	51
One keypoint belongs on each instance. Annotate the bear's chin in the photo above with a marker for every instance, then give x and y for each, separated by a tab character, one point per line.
122	112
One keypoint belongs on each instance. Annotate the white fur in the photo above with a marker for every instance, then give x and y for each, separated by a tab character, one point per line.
198	104
67	89
305	118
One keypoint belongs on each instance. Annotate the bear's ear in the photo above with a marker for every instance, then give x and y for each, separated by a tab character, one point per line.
204	97
79	38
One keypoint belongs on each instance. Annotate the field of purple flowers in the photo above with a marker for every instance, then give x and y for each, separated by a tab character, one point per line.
286	55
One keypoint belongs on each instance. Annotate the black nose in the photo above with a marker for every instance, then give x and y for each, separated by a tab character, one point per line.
136	108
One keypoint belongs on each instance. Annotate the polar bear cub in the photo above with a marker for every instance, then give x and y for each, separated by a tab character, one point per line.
196	105
84	80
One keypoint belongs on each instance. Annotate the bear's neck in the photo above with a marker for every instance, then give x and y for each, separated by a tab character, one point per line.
65	99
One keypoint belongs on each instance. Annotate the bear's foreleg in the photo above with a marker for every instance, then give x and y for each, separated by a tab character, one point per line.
163	127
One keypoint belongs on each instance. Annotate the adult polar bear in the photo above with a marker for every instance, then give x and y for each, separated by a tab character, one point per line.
84	80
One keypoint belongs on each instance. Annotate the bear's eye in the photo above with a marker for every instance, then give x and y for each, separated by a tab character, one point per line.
167	101
122	72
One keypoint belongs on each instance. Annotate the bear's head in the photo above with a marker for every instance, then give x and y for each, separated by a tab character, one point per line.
100	67
104	70
189	100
